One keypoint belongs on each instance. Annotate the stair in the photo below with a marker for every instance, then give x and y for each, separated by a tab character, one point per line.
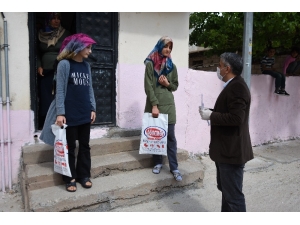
120	176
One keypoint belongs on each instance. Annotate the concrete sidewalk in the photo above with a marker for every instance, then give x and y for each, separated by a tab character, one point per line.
271	184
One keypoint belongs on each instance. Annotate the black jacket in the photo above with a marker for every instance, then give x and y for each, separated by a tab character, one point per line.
230	138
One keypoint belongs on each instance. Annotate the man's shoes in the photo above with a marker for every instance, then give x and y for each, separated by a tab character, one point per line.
277	92
157	169
177	175
284	93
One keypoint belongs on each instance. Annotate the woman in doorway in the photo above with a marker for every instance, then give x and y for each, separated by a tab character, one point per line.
74	105
161	80
50	39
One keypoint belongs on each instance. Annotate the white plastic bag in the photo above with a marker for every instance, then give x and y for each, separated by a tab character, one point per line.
154	134
61	159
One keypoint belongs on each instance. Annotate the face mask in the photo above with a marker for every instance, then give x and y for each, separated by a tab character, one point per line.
218	74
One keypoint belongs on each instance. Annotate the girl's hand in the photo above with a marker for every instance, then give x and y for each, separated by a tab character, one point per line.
155	111
60	120
93	117
163	81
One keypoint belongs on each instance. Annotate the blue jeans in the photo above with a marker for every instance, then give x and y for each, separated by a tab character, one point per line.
171	149
279	78
230	183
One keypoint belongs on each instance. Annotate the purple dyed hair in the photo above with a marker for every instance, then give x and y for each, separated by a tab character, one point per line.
74	44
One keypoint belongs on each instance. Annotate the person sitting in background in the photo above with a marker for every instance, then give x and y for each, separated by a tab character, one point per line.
292	64
267	64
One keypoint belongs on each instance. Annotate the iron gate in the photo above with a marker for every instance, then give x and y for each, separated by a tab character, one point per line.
103	28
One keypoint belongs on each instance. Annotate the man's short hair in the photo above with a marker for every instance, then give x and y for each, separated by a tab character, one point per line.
234	61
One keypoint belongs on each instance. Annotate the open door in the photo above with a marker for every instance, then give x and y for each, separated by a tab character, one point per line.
103	28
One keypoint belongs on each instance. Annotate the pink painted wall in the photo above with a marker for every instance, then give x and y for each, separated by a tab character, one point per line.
21	134
272	117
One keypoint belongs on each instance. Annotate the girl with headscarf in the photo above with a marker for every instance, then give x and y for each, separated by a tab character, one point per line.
160	81
50	39
74	105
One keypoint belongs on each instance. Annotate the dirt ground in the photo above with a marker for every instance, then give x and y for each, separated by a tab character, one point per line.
271	184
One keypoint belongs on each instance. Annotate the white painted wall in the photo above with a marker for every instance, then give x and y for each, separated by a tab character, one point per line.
21	117
138	34
18	59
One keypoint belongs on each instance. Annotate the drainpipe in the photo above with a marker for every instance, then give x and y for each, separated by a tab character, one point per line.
1	128
7	106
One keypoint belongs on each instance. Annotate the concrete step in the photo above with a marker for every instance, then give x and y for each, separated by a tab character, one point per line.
121	189
42	175
40	152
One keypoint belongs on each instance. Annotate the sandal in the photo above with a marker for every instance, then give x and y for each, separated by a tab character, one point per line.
157	169
83	182
177	175
71	184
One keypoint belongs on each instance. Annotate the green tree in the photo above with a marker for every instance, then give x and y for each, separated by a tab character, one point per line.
223	31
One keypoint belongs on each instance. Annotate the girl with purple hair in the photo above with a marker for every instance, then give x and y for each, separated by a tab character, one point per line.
74	105
161	80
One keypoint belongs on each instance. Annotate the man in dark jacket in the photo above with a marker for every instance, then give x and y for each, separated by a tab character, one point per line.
230	146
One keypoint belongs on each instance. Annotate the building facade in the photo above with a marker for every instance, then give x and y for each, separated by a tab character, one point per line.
123	42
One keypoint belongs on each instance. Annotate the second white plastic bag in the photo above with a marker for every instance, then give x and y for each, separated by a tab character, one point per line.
154	134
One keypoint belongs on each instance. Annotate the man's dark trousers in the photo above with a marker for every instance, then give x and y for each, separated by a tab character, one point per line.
230	183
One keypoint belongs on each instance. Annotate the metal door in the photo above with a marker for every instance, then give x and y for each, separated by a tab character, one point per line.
103	28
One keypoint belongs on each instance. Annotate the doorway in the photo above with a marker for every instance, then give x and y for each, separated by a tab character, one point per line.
103	28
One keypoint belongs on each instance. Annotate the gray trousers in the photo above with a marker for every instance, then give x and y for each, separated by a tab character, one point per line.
171	150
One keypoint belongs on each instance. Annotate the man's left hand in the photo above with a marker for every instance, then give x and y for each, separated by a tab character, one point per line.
205	113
